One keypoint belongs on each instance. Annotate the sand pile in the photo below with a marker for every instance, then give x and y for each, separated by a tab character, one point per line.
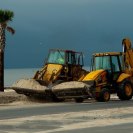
32	89
29	84
10	96
71	84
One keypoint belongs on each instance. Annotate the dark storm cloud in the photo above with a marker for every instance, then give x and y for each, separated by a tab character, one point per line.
83	25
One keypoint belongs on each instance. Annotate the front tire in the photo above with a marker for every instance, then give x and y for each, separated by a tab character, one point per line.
104	95
125	90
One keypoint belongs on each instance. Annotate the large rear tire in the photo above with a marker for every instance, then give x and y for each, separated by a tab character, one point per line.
104	95
125	90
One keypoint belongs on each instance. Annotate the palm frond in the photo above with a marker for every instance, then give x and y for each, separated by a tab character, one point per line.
10	29
6	15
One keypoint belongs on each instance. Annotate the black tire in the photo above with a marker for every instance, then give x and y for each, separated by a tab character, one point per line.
125	90
79	100
104	95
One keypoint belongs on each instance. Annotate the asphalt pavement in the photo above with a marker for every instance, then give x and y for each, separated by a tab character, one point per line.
56	108
122	128
14	114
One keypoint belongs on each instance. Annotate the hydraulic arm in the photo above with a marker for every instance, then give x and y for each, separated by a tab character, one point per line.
128	53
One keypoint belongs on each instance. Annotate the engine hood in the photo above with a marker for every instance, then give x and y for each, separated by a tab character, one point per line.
93	75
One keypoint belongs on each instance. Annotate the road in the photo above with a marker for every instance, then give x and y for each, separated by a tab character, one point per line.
55	117
47	109
122	128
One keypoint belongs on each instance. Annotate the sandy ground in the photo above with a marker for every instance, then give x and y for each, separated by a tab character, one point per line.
10	96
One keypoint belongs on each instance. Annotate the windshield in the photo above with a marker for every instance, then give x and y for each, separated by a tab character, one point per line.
56	57
102	62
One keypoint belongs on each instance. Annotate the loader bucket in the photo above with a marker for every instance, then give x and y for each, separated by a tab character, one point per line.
31	87
72	89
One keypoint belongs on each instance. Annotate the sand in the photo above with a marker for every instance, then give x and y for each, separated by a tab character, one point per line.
10	96
29	84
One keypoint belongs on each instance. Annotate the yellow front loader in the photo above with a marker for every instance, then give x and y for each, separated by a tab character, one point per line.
61	66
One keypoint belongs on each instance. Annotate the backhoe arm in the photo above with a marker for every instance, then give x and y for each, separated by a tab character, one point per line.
128	50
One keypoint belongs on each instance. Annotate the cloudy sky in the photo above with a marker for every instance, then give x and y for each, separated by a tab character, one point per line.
83	25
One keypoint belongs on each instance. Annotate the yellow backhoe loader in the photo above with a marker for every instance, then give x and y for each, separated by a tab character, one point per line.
112	72
60	66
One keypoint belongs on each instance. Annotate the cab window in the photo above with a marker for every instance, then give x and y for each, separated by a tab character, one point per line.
102	62
56	57
115	64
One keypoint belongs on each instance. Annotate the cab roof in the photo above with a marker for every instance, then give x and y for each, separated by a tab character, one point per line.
64	50
108	54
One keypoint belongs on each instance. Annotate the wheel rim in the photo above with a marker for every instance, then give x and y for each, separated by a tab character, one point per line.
106	96
128	90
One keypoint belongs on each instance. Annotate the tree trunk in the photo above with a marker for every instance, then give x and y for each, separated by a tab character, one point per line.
2	46
1	70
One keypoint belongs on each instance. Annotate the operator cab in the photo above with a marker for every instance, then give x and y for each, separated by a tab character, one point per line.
71	61
64	57
111	62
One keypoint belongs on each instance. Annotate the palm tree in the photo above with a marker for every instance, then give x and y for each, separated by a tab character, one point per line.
5	17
